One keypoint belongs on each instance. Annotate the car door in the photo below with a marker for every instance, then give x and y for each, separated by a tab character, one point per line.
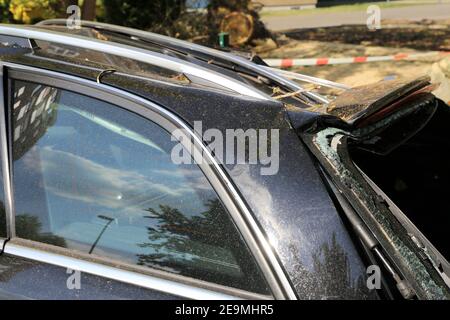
96	208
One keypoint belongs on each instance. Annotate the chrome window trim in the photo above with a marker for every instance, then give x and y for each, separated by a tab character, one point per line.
195	47
309	79
434	254
135	278
9	206
134	53
260	248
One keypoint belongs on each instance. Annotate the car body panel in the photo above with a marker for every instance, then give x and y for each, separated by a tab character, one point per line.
22	278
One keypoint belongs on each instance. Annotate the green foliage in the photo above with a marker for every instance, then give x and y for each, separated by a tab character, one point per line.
4	11
27	11
142	14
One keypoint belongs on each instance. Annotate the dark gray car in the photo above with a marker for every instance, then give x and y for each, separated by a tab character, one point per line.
337	195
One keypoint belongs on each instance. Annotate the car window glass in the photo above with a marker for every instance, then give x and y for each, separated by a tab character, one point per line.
93	177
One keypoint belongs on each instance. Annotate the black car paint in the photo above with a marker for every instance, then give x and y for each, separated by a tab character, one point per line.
292	207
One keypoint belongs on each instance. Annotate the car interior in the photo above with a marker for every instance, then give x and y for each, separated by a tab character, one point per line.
415	176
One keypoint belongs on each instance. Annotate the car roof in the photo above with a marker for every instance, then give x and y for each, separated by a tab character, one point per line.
71	42
235	60
192	101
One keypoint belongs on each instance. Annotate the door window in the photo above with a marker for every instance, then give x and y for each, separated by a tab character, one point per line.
93	177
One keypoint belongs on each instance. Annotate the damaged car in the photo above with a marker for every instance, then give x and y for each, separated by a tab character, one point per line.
94	205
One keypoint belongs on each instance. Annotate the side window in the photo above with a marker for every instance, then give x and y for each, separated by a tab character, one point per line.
93	177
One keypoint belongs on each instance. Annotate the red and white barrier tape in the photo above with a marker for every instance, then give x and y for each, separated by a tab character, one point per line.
286	63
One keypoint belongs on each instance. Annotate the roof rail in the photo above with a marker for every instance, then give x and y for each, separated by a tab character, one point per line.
197	48
310	79
146	56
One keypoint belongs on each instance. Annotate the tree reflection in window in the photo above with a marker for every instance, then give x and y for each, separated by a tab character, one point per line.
176	236
93	177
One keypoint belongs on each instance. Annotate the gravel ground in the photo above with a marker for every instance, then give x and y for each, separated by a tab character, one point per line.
336	43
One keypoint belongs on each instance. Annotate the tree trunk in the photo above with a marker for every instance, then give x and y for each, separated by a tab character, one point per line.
70	3
61	7
219	9
88	11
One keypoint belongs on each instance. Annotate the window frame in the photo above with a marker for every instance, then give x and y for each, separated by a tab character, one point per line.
3	157
254	238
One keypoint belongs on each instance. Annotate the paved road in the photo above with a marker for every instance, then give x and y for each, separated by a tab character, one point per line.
314	20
